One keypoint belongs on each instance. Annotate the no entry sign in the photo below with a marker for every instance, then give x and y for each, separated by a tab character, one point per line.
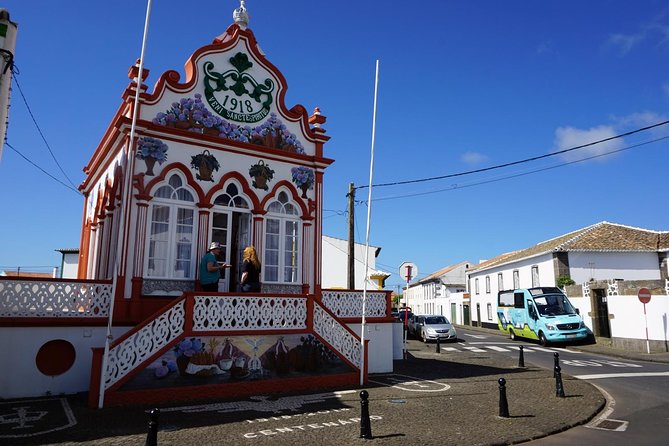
644	295
408	271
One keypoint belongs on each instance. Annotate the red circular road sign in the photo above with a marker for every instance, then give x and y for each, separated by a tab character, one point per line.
644	295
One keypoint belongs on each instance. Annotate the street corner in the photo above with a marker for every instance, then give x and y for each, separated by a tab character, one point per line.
35	417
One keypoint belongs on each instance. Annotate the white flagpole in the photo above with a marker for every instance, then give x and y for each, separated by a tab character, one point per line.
125	205
369	214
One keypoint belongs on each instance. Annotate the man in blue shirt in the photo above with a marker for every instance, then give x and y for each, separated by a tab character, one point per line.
210	268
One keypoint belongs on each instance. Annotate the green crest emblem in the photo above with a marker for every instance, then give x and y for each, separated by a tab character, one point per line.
236	95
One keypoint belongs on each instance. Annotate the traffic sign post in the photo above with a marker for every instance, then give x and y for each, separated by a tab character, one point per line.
644	298
408	271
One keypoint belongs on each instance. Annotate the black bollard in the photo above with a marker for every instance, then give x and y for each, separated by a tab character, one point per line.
503	403
365	422
521	358
438	350
556	363
559	388
152	436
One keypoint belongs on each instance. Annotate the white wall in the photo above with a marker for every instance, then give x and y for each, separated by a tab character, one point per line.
380	352
613	265
334	264
19	347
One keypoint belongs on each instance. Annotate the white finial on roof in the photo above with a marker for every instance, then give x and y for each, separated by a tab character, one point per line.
241	15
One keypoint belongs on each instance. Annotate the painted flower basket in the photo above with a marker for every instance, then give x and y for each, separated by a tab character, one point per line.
261	174
304	178
206	164
151	150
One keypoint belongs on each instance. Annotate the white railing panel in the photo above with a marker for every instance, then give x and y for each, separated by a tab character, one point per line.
144	343
24	298
249	313
348	303
335	334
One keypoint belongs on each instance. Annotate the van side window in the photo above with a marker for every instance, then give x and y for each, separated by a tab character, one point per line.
531	310
519	300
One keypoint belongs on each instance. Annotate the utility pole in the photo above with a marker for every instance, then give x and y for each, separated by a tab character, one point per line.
351	237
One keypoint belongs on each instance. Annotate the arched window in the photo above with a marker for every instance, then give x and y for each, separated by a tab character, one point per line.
282	242
171	240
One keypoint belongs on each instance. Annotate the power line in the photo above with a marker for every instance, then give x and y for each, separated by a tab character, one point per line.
16	80
44	171
535	158
520	174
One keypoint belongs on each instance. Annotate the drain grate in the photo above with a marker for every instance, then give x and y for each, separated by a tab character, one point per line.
611	425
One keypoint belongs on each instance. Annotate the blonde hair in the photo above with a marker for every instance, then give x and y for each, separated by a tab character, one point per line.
251	255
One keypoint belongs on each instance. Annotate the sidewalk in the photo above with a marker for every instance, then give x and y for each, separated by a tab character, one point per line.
430	399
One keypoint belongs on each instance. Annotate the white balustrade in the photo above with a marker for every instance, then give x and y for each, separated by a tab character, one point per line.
24	298
145	342
249	313
335	334
349	303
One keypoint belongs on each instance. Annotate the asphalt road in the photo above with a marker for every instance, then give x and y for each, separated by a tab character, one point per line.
637	391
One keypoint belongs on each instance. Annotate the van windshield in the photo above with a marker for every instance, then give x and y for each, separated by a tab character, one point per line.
553	305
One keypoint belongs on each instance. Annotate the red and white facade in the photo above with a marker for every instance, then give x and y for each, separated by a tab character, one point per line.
217	156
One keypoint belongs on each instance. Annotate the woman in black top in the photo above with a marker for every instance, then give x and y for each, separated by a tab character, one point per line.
250	271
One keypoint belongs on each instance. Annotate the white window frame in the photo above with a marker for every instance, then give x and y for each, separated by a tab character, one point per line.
535	276
487	284
173	205
500	281
286	216
476	285
516	279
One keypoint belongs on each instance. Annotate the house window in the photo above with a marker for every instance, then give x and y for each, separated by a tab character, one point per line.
500	281
489	312
516	279
487	284
282	242
476	285
171	232
535	276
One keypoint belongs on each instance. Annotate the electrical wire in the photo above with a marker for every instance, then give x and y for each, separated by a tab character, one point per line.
513	163
43	171
18	85
520	174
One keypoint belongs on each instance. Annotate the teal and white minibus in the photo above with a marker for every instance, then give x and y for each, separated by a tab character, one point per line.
542	313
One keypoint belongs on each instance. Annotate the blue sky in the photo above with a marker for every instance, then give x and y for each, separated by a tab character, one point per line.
463	85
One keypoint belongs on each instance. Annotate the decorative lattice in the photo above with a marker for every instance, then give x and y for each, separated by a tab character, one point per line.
249	313
612	288
335	334
24	298
145	342
349	303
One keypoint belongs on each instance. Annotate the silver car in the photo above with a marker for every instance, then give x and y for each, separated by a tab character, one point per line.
431	327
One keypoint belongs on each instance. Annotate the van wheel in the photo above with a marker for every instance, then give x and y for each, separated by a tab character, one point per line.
542	339
512	335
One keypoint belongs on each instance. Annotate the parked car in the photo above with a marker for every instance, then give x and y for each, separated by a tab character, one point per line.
430	327
403	313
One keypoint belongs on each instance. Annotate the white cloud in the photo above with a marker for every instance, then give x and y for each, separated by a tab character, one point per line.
569	137
473	158
626	42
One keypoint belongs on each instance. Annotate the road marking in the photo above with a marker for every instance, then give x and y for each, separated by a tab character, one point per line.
621	375
450	349
412	384
476	336
474	349
498	349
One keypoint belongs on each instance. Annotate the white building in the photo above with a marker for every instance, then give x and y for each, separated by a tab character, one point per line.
603	260
334	264
442	292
